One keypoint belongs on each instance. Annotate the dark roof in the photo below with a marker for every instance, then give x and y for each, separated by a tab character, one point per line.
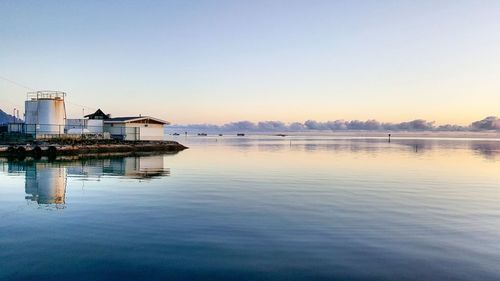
99	113
133	118
122	119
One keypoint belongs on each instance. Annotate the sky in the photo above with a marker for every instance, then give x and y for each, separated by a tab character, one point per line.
222	61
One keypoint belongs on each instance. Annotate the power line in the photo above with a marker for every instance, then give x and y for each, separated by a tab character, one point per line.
81	105
31	89
16	83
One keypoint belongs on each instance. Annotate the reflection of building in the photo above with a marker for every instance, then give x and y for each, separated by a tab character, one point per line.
136	167
130	167
45	183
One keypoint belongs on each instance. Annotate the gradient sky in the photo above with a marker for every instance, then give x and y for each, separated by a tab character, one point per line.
221	61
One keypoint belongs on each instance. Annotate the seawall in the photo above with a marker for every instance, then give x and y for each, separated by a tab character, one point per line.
55	148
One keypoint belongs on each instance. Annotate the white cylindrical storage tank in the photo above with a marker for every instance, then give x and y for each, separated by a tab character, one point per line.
30	112
45	112
51	116
30	115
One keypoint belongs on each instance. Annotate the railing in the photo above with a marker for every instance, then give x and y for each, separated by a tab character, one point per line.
45	95
50	131
77	131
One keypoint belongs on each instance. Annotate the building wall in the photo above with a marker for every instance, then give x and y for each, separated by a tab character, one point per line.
135	131
95	126
74	124
120	131
114	129
152	133
148	131
91	126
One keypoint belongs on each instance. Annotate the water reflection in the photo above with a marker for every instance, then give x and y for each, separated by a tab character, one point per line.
46	184
46	181
490	150
487	148
312	209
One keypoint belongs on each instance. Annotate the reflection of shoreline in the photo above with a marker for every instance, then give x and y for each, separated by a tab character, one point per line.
487	148
470	135
46	181
100	155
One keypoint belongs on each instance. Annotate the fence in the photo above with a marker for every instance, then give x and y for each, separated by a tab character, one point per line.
105	131
50	131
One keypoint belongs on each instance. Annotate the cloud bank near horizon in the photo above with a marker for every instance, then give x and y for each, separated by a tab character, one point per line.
486	124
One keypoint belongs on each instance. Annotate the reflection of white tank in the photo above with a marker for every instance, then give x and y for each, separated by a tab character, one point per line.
46	184
45	112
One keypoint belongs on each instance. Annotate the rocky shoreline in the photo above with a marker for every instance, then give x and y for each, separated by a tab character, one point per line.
61	147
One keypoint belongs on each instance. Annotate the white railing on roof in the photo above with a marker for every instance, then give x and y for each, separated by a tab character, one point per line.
53	95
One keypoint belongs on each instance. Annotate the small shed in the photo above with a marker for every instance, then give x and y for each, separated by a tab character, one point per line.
135	128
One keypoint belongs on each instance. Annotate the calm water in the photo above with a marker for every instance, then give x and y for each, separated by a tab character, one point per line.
258	208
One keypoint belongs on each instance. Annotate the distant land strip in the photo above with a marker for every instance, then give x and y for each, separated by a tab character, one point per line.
491	123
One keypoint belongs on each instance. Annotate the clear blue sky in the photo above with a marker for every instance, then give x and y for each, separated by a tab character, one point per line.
220	61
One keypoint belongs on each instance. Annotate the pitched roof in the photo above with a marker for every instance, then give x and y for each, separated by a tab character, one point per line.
98	113
129	119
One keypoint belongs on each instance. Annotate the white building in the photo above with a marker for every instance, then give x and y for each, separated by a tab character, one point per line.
92	124
84	126
45	117
136	128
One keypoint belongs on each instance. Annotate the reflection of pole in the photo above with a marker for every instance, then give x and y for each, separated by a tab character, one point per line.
83	116
389	137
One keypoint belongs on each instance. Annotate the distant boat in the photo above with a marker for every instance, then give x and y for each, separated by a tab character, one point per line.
176	134
240	135
202	134
281	135
220	135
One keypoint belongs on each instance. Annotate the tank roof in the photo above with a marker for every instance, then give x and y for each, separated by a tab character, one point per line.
45	95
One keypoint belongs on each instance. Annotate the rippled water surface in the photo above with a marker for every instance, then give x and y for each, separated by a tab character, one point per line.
258	208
